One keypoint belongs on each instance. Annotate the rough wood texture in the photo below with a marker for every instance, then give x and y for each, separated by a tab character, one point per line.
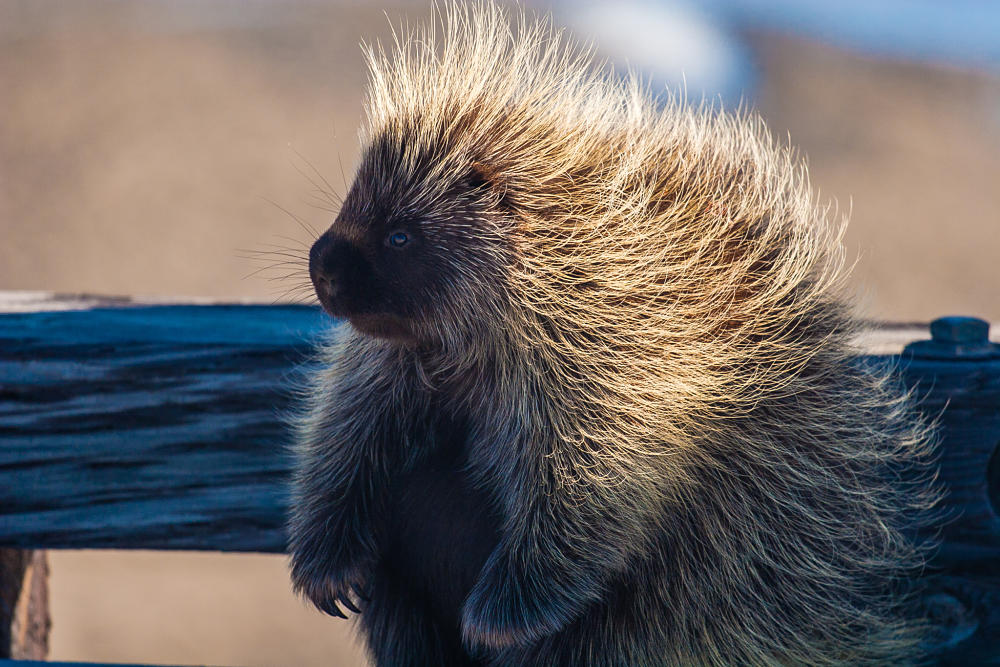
958	383
24	604
160	427
147	427
35	663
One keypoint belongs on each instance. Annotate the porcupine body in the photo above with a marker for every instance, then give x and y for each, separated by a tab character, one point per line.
595	402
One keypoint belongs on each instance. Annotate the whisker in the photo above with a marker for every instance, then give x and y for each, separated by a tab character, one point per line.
277	255
285	276
298	297
305	246
329	193
340	161
304	225
320	205
276	267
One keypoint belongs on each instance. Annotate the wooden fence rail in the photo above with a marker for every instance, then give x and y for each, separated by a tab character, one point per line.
161	427
153	427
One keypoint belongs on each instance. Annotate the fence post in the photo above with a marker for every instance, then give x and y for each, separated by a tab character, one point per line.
24	604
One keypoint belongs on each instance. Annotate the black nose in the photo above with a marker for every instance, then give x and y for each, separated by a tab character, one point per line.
333	263
322	267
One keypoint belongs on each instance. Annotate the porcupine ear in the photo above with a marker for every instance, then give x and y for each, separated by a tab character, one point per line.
487	178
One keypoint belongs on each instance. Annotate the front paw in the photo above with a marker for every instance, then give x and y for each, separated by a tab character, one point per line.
509	607
330	590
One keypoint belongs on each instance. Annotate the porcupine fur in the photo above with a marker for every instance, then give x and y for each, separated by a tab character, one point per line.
601	407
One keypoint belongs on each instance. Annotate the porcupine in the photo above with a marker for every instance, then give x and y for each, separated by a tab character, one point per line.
596	401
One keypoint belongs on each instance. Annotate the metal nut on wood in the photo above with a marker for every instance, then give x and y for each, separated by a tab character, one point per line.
960	329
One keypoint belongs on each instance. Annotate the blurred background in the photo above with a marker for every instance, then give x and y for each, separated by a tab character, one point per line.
150	147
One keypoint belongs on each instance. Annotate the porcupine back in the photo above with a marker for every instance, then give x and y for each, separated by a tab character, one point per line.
676	293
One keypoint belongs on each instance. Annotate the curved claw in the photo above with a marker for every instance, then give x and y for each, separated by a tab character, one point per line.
330	607
345	600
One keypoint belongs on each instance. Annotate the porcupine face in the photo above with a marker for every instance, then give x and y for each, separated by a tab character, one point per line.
412	240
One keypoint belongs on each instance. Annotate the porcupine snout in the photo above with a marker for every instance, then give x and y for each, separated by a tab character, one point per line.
334	265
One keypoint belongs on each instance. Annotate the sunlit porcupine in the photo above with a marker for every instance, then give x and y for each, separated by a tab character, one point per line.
596	402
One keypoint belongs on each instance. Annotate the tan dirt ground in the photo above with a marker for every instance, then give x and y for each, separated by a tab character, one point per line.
142	158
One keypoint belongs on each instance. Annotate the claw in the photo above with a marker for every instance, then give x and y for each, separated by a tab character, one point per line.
345	600
330	607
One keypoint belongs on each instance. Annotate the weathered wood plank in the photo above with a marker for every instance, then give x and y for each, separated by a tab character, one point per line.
24	604
963	396
148	427
36	663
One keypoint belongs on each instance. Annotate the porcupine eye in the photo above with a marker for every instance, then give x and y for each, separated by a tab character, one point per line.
477	179
397	239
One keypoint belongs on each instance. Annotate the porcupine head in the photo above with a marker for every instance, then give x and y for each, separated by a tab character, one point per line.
637	304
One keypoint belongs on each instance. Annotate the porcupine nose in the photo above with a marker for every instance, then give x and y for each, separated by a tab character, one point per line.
330	259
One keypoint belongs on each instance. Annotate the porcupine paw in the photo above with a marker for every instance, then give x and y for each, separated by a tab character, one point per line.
330	591
508	609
